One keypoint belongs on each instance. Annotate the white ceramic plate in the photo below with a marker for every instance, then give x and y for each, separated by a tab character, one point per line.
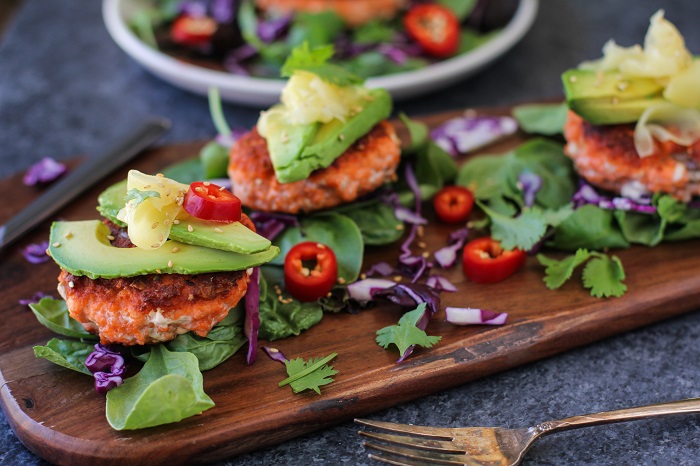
259	92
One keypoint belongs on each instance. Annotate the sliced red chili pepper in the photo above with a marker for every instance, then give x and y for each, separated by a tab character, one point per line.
193	31
485	261
211	202
434	27
310	271
453	204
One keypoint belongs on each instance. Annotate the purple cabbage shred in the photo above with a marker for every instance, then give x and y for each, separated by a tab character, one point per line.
530	184
587	194
43	172
270	225
107	367
471	131
410	265
223	11
36	253
274	354
252	314
272	29
447	256
35	298
383	269
440	283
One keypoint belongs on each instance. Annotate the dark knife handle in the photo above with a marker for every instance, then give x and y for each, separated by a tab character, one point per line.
81	178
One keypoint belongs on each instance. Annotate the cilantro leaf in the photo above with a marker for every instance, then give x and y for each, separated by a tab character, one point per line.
309	375
557	272
604	275
139	196
405	334
521	232
315	60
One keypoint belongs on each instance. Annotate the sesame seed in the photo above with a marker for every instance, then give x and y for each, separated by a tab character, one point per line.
320	245
341	280
305	272
69	235
161	185
363	276
170	263
110	237
147	186
167	192
622	85
155	246
48	253
399	226
273	350
422	245
572	79
71	284
341	137
218	230
175	249
426	254
221	188
166	221
56	244
154	226
189	228
161	238
176	222
206	183
397	278
420	231
160	175
158	271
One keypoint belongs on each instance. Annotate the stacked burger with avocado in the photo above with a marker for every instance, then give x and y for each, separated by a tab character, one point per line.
327	143
181	266
634	120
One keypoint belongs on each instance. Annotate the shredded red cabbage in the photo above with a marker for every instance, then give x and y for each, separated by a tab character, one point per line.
409	216
447	256
36	297
274	28
440	283
383	269
471	131
269	224
252	314
363	290
529	183
587	194
36	253
410	265
107	367
44	171
469	316
274	354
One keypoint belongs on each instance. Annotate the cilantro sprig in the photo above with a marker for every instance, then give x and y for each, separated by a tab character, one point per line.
315	60
602	274
406	333
309	375
139	196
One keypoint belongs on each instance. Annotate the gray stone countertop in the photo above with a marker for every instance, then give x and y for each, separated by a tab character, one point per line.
65	88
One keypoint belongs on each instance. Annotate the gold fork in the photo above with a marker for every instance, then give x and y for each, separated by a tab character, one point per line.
492	446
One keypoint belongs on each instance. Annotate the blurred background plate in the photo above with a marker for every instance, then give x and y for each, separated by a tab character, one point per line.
262	92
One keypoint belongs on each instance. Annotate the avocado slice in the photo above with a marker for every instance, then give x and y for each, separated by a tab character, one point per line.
233	237
285	142
331	140
82	248
607	97
610	111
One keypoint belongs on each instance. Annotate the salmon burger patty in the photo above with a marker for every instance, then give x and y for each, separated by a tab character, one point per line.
368	164
151	308
605	156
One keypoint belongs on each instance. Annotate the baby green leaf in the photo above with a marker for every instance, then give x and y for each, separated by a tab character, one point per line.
167	389
557	272
604	276
309	375
405	334
67	353
53	314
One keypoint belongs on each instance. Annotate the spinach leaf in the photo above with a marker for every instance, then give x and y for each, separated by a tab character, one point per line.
111	201
334	230
67	353
376	222
283	318
547	119
167	389
589	227
641	228
221	342
53	314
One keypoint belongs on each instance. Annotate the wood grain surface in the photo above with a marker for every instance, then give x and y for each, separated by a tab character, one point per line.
57	414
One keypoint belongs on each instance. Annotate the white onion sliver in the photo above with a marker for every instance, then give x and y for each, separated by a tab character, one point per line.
470	316
362	290
440	283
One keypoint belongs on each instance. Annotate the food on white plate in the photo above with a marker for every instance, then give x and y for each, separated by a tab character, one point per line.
354	12
162	272
634	120
327	143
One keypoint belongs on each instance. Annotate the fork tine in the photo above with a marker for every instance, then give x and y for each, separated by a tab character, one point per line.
435	432
431	457
415	442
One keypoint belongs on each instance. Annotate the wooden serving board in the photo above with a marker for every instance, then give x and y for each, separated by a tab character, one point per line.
50	408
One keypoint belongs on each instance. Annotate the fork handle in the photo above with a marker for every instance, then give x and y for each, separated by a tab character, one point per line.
689	406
